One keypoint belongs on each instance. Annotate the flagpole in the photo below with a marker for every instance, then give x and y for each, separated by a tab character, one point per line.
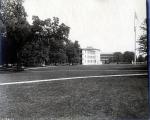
135	40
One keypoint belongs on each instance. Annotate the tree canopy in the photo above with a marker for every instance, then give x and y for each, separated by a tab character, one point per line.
17	28
43	42
118	57
128	57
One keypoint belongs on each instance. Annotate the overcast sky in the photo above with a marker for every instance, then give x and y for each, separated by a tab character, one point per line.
104	24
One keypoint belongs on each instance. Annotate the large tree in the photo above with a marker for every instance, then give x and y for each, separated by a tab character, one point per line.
48	43
45	41
58	41
17	27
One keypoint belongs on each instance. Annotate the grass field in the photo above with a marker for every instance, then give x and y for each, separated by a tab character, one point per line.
100	98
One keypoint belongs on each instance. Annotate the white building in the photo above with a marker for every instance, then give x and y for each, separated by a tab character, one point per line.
91	56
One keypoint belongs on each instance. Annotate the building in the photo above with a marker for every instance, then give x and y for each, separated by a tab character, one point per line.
91	56
106	58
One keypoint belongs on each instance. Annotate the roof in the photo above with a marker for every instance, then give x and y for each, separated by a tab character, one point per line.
90	48
106	54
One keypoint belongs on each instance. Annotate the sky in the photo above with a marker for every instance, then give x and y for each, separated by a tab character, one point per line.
107	25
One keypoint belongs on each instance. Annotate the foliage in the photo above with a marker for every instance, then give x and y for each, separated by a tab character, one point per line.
45	41
143	39
128	57
73	52
50	43
18	30
117	57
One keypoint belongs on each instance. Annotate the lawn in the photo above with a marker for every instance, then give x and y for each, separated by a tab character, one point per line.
113	98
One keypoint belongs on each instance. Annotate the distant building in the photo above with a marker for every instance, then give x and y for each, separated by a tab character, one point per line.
106	58
91	56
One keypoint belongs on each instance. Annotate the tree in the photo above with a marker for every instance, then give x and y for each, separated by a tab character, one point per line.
46	41
128	57
143	39
3	52
73	52
36	51
48	44
17	27
117	57
58	41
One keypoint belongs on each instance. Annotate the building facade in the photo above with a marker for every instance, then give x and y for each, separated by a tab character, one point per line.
91	56
106	58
